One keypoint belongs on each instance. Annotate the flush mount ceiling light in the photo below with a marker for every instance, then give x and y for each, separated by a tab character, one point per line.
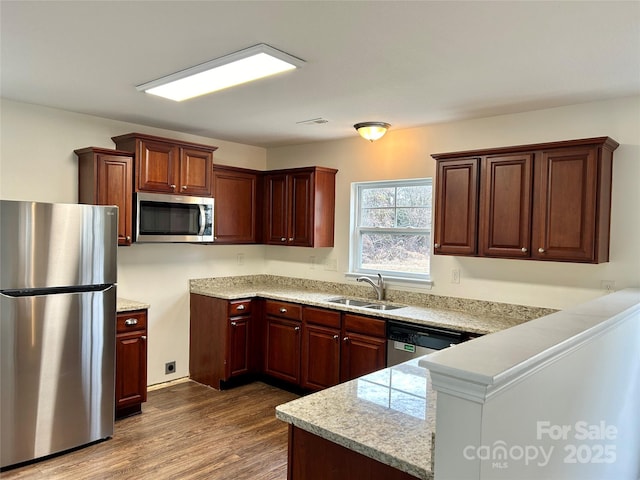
236	68
371	130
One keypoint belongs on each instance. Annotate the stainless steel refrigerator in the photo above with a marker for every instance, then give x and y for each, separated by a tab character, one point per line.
57	327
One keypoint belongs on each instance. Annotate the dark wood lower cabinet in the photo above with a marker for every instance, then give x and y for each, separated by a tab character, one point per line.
314	458
364	346
131	362
282	360
223	340
307	347
320	357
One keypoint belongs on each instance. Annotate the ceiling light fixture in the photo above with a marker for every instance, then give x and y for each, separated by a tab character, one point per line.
236	68
371	130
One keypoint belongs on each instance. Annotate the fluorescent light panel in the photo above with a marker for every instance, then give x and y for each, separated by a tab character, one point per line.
240	67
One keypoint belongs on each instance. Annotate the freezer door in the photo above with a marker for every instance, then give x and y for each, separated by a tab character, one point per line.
57	372
44	245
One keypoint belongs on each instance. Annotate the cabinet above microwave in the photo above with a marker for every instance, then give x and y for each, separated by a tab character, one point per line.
169	166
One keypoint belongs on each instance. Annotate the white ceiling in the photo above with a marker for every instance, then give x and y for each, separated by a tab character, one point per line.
406	63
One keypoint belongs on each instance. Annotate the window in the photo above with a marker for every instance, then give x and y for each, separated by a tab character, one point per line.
391	228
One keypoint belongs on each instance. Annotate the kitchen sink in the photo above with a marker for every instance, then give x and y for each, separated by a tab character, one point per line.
350	302
383	306
364	304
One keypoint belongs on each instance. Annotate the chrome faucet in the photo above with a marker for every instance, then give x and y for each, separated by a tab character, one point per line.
379	288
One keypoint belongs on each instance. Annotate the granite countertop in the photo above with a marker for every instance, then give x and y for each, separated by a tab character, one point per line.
388	415
125	305
479	323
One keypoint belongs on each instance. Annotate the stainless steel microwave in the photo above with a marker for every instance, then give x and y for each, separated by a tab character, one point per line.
166	218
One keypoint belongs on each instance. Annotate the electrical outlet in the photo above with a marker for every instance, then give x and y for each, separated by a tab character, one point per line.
240	258
608	285
169	368
455	275
312	262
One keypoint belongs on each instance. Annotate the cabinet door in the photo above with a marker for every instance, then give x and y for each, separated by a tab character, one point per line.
282	358
320	357
565	205
131	368
195	172
105	177
505	205
239	346
456	207
158	167
277	208
235	206
301	210
115	183
361	354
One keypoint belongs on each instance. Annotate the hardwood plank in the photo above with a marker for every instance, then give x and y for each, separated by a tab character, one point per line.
186	431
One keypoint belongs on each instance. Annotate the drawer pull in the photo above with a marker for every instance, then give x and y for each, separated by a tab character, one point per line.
336	337
130	322
240	307
283	310
233	324
144	337
297	329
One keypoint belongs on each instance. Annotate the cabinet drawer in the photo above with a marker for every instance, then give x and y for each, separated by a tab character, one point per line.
284	310
239	307
366	325
321	316
130	321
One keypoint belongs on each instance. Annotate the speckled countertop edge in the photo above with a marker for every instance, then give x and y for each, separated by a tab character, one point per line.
231	288
126	305
383	434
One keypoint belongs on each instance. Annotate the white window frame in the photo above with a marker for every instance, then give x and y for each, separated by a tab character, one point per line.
355	232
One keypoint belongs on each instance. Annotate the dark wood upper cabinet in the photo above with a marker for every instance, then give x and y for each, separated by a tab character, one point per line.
300	207
169	166
105	177
570	223
548	201
505	205
456	207
236	192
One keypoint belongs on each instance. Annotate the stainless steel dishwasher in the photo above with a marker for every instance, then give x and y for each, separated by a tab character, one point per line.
406	341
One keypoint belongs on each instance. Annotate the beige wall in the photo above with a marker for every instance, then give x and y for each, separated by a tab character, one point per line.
407	154
37	163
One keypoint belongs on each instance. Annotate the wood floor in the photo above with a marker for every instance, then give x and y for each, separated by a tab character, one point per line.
186	431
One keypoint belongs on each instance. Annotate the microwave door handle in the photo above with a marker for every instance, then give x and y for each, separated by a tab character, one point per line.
203	219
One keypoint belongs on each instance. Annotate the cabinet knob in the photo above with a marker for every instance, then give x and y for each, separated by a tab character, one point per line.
436	245
130	322
144	337
336	337
297	329
173	187
283	239
128	238
345	339
541	250
240	307
233	324
283	310
291	239
183	187
524	249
